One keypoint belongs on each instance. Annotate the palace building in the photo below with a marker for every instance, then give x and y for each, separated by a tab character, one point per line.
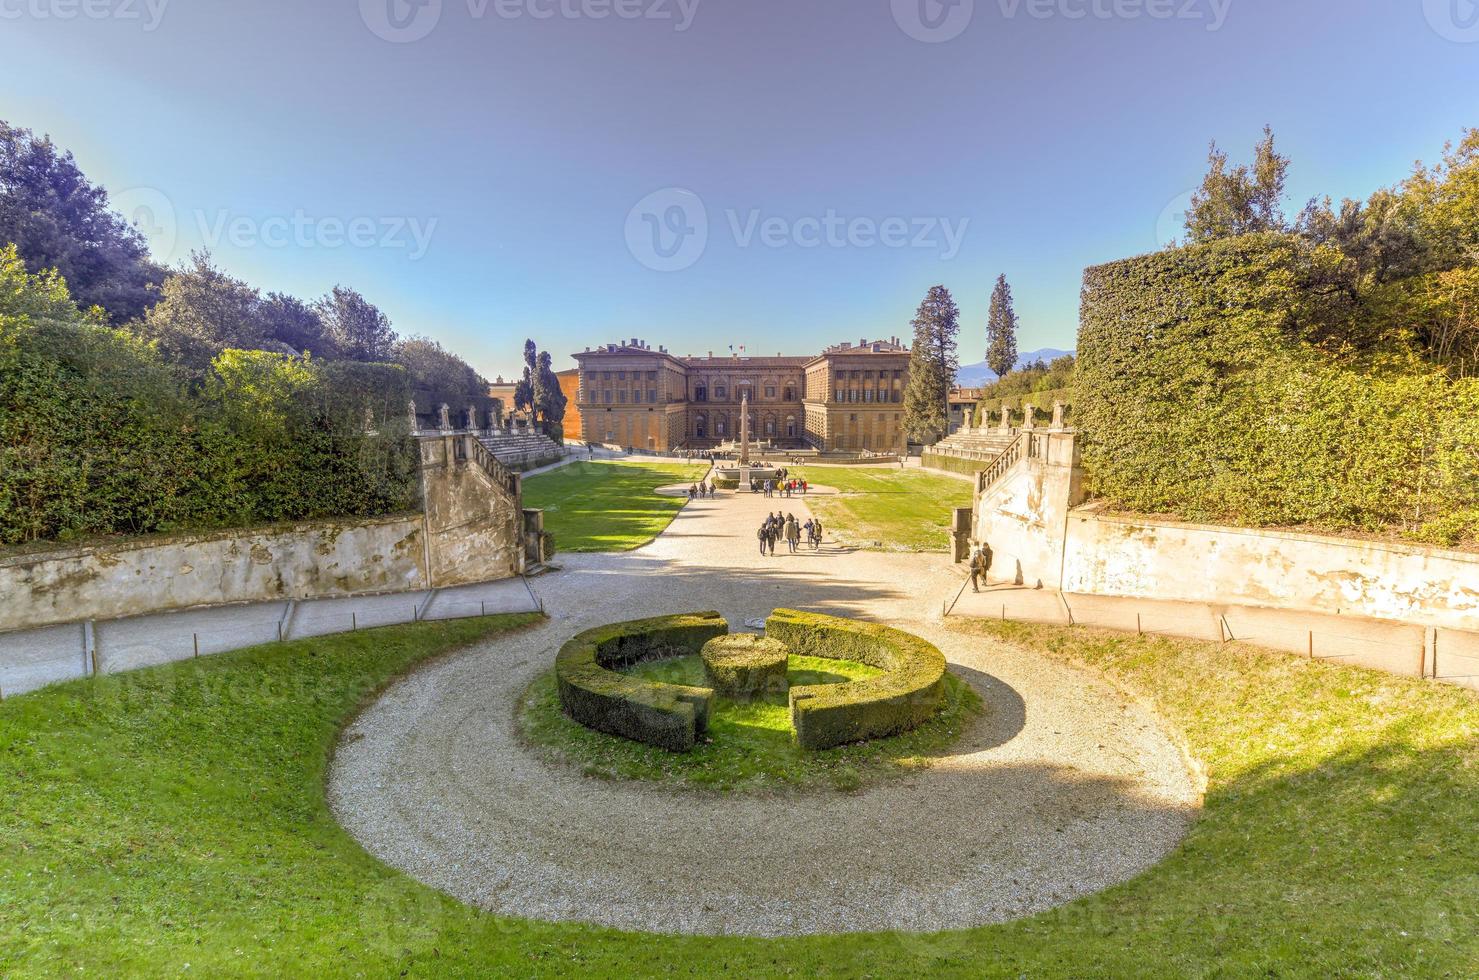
848	397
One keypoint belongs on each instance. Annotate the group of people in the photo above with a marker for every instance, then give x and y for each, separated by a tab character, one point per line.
701	491
778	527
782	487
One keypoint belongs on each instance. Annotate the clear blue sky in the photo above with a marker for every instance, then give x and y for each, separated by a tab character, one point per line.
1061	141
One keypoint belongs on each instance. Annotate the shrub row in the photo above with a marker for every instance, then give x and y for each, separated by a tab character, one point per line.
909	692
952	464
1204	391
100	435
669	716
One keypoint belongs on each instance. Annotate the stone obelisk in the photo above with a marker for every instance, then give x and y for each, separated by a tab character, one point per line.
744	456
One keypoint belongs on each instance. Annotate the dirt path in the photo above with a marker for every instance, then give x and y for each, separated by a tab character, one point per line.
1061	789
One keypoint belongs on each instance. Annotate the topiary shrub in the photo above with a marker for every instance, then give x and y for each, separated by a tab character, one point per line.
909	692
669	716
743	665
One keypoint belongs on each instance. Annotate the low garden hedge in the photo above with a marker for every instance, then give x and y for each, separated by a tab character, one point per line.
744	665
909	692
669	716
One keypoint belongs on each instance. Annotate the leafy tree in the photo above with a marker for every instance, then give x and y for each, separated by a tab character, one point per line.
357	327
438	376
203	311
1242	200
293	323
932	366
59	220
1001	330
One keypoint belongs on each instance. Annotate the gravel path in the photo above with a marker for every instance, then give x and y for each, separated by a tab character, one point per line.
1061	789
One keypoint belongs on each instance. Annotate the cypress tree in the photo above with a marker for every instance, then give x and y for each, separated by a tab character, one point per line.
1001	330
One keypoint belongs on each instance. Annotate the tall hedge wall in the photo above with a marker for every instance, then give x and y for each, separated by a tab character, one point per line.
98	435
1200	395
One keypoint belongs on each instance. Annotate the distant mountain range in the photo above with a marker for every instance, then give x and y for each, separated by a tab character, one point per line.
976	375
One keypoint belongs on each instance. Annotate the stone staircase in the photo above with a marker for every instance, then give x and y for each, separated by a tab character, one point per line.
981	444
520	450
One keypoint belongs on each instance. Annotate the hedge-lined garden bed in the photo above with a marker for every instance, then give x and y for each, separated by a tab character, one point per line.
908	691
659	683
668	716
750	746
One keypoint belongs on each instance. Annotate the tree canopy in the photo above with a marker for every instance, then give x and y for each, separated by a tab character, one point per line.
1241	200
356	326
59	220
933	363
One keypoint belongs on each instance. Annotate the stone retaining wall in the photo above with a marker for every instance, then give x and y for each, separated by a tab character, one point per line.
1042	537
124	578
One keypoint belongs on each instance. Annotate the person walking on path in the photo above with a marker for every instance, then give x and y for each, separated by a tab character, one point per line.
793	533
764	535
816	541
980	566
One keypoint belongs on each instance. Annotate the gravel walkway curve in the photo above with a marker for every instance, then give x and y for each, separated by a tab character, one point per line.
1061	789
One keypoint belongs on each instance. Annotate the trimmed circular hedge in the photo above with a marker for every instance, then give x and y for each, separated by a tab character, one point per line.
744	665
908	693
670	716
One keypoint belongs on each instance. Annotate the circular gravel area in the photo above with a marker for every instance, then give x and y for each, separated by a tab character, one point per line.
1062	788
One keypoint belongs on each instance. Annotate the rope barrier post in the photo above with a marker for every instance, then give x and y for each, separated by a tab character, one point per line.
1312	644
195	637
1138	630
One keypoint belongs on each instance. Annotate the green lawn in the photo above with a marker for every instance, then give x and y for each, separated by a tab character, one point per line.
750	745
172	821
881	508
597	506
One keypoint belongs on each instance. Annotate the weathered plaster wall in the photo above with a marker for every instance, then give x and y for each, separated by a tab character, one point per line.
126	578
1167	560
474	517
1042	539
1023	517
